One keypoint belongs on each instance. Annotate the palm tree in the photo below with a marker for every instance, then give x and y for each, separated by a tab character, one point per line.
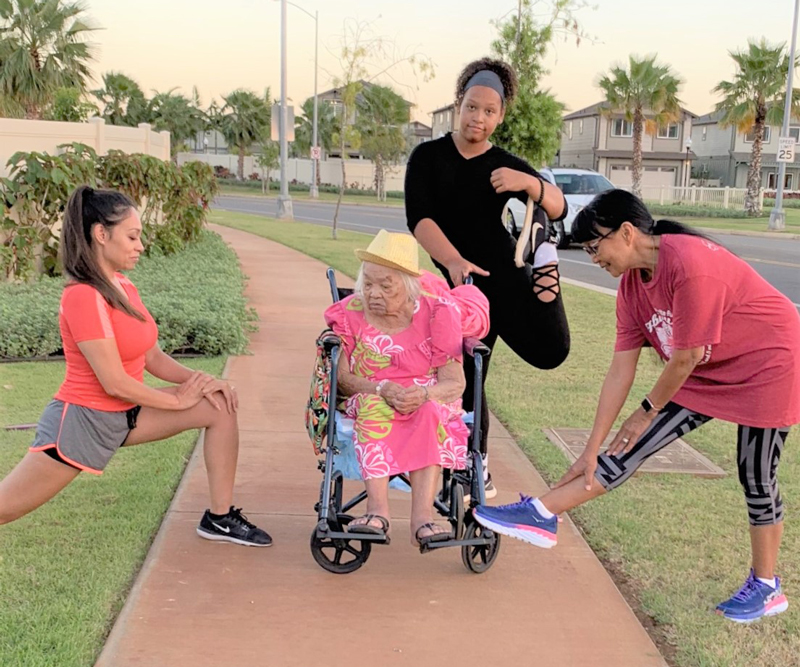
245	120
647	93
304	127
42	49
179	115
382	116
123	101
754	99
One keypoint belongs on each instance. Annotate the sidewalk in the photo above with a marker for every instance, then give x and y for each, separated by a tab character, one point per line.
198	603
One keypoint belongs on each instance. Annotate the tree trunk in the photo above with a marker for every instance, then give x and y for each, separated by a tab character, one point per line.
341	189
379	177
638	130
751	199
241	163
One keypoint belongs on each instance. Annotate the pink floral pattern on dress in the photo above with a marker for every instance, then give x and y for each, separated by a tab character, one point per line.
388	442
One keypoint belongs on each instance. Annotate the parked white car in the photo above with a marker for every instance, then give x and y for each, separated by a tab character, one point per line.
579	186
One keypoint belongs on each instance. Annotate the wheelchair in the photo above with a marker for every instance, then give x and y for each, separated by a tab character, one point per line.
341	552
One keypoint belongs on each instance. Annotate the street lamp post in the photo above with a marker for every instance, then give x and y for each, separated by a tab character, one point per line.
777	216
284	200
688	161
314	190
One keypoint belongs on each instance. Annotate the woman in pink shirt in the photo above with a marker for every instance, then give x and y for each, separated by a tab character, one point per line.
109	341
731	346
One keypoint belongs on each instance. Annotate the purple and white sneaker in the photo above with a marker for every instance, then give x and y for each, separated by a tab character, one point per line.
521	520
754	600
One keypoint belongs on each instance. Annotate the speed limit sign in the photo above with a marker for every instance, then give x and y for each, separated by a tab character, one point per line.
316	153
786	149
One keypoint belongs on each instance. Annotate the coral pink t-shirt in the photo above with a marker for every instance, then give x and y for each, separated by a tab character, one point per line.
85	315
702	295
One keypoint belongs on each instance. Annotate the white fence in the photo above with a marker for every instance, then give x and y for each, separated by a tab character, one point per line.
731	198
360	173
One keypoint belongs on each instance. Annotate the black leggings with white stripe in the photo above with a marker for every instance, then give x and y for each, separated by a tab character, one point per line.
758	454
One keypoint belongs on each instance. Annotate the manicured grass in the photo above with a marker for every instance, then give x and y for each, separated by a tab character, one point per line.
328	197
676	544
66	569
751	225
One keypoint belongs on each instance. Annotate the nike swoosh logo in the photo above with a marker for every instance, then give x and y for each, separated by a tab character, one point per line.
533	230
218	527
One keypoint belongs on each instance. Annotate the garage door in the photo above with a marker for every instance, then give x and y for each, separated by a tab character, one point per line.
622	176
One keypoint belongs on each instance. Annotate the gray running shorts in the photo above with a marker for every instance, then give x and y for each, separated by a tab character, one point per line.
82	437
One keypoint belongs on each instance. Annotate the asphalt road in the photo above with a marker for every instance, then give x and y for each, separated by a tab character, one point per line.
777	260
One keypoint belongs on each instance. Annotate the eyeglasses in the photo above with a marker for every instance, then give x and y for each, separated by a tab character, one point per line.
592	249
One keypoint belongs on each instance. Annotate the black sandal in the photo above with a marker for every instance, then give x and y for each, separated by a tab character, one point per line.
444	536
366	529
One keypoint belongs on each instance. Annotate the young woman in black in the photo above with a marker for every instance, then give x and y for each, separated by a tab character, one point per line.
456	189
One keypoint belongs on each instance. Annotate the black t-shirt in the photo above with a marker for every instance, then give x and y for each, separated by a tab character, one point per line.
457	194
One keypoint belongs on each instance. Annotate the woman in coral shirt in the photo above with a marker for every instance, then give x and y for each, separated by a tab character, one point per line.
109	340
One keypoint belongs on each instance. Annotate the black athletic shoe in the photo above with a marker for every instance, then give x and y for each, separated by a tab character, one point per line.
233	527
531	237
489	489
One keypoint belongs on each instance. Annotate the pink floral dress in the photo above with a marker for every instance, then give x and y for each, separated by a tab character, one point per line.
387	442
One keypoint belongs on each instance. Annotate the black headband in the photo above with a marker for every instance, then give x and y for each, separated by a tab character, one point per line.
489	79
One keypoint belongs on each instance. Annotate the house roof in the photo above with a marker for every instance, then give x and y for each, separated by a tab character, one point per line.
447	108
646	155
594	110
709	118
334	92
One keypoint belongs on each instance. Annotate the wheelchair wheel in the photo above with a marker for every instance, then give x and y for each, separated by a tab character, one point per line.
339	556
479	558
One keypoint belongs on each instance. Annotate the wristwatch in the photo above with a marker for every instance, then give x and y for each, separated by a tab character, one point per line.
647	405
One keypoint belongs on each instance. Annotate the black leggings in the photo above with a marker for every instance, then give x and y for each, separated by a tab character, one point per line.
537	331
758	452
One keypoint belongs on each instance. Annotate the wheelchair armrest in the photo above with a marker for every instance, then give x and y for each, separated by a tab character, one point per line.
473	346
329	341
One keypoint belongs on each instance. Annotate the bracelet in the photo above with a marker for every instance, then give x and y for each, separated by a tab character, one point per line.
379	387
541	190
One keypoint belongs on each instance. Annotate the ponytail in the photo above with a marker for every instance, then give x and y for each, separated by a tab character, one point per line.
664	227
86	208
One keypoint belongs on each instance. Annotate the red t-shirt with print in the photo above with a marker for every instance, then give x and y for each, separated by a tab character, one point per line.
85	315
702	295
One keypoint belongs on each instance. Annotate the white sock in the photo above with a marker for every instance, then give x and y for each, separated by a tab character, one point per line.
769	582
545	254
485	458
539	505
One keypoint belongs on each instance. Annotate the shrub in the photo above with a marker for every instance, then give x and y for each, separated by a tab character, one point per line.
682	211
195	295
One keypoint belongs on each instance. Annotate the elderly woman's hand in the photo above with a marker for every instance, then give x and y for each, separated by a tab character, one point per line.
404	399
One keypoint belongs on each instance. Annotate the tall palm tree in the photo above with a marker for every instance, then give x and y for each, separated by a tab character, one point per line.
43	48
245	120
754	99
304	127
179	115
123	100
647	93
382	117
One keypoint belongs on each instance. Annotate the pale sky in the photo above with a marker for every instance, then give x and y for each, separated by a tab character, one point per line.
220	46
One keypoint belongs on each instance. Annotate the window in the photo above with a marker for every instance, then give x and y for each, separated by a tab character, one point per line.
749	138
705	133
668	132
583	184
580	127
794	131
568	129
621	128
772	181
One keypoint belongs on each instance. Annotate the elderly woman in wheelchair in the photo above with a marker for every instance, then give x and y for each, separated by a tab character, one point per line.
401	379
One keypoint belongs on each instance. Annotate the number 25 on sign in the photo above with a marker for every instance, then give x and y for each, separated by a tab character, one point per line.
786	149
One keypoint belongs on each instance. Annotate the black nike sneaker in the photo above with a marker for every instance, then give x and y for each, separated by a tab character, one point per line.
232	527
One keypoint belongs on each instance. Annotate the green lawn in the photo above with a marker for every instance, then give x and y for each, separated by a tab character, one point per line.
752	225
676	545
66	569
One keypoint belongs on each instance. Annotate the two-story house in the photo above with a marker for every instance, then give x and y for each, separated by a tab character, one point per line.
443	120
416	133
334	98
724	153
592	138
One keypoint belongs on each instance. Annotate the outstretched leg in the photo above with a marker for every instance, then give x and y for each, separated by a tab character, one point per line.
35	480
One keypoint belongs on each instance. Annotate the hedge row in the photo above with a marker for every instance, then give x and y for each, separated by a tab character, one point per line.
195	295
